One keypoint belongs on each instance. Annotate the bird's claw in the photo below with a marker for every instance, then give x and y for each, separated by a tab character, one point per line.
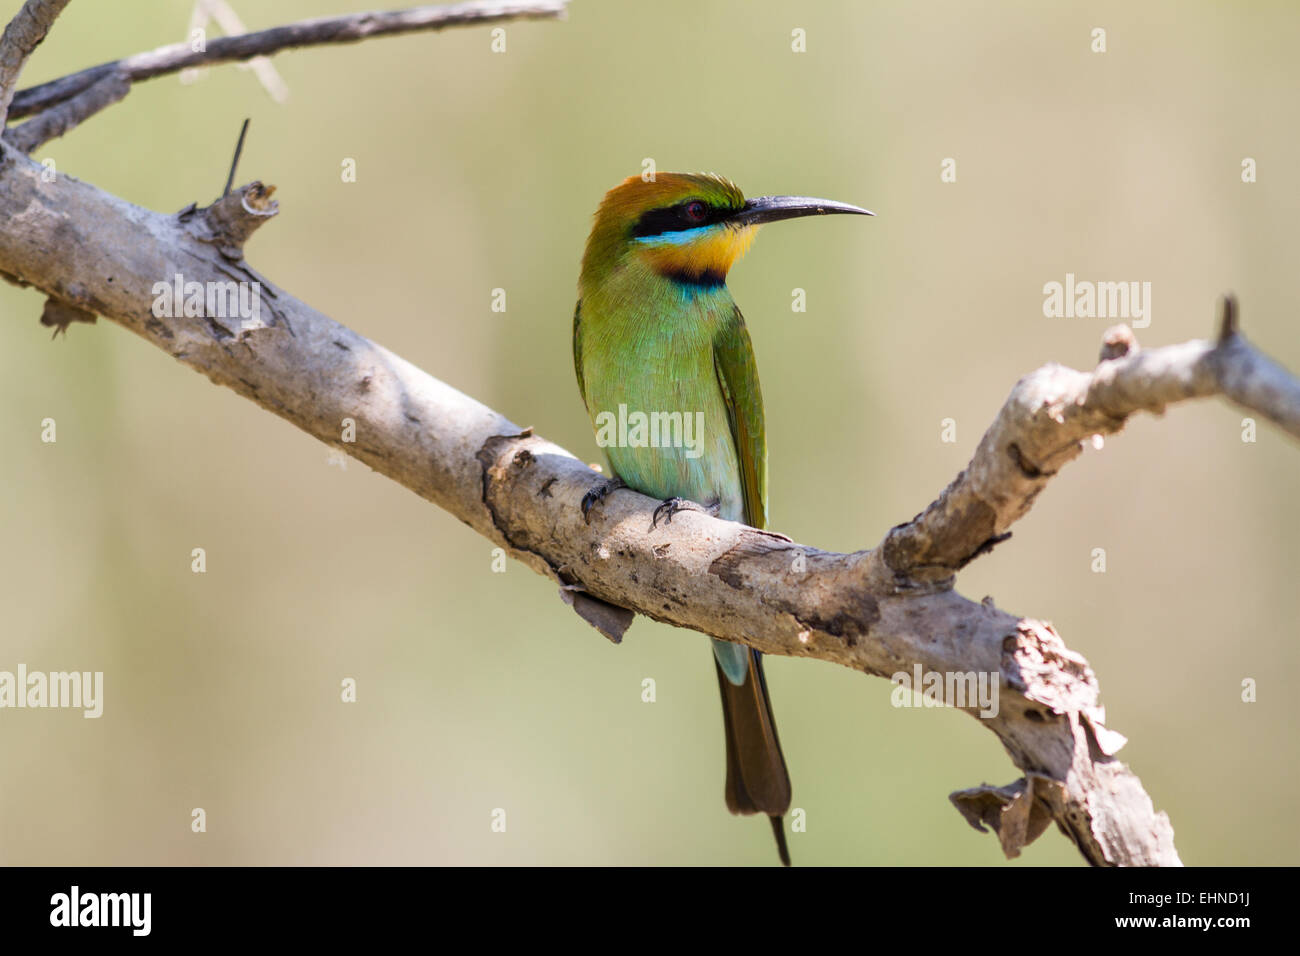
671	506
597	495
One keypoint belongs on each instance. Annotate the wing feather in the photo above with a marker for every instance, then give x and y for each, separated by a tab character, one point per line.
733	361
577	350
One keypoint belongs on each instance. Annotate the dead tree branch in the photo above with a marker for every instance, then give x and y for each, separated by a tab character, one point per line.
349	28
882	611
23	35
57	120
1050	414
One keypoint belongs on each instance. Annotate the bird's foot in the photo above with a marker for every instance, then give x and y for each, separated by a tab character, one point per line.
597	495
671	506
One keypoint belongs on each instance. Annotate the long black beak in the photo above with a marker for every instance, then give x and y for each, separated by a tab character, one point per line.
775	208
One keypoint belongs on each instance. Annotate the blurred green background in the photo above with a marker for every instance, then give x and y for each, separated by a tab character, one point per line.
480	690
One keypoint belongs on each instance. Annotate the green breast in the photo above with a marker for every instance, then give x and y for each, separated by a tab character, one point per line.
645	358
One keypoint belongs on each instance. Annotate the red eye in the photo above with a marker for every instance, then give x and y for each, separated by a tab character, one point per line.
696	211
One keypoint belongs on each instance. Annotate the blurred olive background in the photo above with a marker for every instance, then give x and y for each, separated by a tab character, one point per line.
480	690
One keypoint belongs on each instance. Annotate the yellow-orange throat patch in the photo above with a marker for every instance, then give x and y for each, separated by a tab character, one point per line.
695	254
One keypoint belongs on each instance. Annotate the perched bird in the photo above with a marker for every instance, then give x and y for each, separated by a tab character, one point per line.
658	338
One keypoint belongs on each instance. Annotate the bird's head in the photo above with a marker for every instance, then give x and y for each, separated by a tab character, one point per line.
685	226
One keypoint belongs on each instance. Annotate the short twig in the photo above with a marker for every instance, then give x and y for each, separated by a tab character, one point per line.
234	163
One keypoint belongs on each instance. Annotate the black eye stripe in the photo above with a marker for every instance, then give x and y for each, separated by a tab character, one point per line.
675	218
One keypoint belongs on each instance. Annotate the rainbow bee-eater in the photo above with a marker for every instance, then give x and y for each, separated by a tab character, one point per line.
657	337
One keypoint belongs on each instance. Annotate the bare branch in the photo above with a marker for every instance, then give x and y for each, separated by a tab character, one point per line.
23	35
324	30
56	121
1052	412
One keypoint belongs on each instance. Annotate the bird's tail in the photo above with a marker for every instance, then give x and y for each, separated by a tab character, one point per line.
757	780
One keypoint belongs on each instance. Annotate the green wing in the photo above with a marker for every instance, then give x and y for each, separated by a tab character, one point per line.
577	350
733	361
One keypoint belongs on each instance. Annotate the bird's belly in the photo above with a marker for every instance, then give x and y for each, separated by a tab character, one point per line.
666	431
